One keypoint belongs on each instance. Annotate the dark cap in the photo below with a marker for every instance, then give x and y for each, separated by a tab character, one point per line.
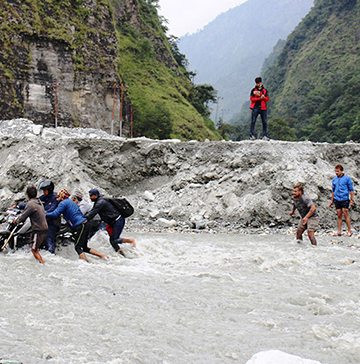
94	192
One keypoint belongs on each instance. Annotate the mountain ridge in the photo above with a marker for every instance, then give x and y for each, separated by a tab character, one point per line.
313	73
230	64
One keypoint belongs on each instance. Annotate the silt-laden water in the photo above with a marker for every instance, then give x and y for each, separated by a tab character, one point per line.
181	299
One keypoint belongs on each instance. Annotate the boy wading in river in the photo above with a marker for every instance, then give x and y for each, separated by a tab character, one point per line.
309	216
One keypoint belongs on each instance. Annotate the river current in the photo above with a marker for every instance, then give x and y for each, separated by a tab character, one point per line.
181	299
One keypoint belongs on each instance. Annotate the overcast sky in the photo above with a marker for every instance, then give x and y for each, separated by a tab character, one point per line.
188	16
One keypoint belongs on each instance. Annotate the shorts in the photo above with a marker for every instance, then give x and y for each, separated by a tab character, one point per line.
37	239
342	204
312	224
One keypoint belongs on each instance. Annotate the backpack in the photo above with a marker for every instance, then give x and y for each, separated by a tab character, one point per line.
122	205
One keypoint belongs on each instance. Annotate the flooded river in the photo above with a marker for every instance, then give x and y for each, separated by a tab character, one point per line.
181	299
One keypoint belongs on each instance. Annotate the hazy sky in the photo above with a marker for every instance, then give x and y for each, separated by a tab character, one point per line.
188	16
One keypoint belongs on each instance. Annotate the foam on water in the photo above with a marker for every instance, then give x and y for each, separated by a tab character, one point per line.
182	298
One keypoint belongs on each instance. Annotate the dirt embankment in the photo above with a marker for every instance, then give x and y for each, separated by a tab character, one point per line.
172	183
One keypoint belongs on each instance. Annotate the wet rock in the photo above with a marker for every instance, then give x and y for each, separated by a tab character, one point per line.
154	213
166	223
201	224
149	196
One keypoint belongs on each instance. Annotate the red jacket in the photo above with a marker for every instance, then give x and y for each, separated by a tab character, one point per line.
254	99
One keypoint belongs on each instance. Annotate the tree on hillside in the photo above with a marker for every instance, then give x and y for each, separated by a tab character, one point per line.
178	56
279	129
153	121
200	96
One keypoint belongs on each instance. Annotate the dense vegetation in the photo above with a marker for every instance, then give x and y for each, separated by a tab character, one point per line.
229	52
160	89
102	36
315	83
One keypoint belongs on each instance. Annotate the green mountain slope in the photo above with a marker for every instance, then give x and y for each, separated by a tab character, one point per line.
86	47
229	52
314	83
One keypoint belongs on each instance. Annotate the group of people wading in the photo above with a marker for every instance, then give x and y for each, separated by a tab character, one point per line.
45	213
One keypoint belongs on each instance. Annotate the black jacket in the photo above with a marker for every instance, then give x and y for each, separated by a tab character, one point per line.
105	209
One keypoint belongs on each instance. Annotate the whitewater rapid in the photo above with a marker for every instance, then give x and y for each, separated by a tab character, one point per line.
182	298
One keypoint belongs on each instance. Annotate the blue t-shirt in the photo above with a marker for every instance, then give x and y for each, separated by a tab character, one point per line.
70	211
341	186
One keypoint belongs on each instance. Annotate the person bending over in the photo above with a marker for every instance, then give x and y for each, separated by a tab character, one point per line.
77	223
111	216
84	206
49	199
309	216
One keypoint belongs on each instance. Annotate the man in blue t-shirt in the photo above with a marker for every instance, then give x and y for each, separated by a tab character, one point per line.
342	186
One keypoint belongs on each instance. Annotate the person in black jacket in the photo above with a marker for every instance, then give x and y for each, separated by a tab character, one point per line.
111	216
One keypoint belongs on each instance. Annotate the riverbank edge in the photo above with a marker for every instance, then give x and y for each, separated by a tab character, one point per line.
136	226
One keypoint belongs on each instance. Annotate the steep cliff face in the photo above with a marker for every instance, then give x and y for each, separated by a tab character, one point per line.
68	45
64	58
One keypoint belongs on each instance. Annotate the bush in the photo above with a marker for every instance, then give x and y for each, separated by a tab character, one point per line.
153	121
279	129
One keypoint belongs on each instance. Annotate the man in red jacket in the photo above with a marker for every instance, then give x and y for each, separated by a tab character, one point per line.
259	96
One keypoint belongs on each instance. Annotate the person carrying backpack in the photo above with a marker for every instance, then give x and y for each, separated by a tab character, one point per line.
111	216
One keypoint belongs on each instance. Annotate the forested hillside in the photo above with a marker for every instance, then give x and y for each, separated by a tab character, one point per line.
229	52
79	59
315	81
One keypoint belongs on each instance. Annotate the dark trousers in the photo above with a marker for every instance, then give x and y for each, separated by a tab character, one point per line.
80	234
115	239
51	237
94	226
254	114
37	238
